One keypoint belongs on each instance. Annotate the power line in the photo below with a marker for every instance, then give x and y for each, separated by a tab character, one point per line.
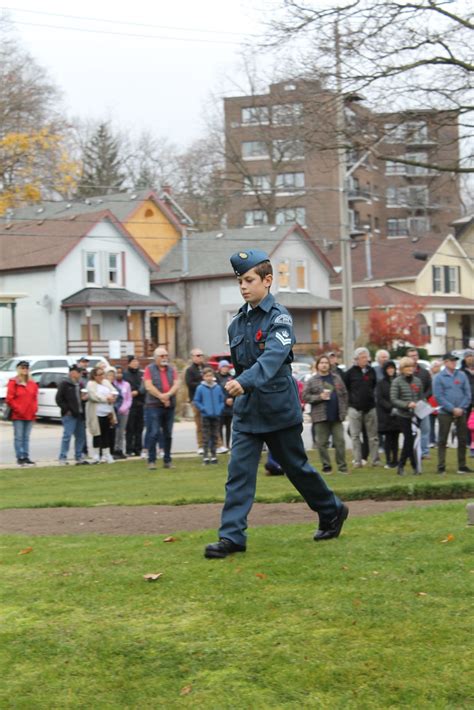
123	22
122	34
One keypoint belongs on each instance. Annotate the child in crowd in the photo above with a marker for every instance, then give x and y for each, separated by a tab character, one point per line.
209	399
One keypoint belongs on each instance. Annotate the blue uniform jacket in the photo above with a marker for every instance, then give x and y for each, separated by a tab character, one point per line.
452	391
261	342
209	400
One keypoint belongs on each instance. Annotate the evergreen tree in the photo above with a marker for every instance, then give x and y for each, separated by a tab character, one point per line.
102	165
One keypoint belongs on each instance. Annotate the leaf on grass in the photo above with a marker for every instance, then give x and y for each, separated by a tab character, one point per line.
357	602
450	538
147	543
260	575
239	569
186	690
151	577
375	572
344	567
421	594
26	551
170	539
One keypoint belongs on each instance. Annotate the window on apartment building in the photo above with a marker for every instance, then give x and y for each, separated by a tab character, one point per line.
416	131
418	196
288	149
287	114
396	196
376	224
91	268
284	275
418	226
416	169
446	279
290	181
114	269
254	115
394	132
393	168
301	275
397	227
288	215
255	217
254	149
257	183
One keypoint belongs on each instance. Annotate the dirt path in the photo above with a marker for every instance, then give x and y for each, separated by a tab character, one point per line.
168	519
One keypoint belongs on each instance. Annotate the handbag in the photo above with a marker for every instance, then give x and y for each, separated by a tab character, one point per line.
6	412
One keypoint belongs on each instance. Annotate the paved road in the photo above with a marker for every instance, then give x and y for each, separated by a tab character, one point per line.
46	438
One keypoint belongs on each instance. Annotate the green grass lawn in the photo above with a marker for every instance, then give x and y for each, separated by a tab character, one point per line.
130	483
380	618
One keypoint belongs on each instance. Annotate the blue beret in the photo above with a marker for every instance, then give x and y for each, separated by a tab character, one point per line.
242	261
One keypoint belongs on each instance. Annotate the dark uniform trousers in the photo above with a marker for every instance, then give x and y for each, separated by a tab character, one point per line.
287	447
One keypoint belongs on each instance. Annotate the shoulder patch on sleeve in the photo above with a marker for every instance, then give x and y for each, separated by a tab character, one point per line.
284	318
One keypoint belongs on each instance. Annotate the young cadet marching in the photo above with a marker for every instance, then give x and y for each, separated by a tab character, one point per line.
266	409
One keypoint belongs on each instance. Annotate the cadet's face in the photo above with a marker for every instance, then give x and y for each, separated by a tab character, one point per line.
253	288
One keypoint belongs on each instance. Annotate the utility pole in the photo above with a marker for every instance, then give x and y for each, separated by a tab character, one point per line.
344	230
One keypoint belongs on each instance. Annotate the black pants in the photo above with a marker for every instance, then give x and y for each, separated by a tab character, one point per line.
408	441
135	430
210	431
390	443
104	440
226	428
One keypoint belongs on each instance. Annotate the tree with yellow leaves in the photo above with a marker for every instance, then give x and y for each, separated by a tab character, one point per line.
34	159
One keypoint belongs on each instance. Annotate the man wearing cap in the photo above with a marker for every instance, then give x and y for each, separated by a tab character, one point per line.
70	400
266	409
453	394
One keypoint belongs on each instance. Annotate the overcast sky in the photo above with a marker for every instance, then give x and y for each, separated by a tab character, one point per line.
160	81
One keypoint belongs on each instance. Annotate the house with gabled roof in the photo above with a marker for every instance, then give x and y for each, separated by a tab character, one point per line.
156	221
436	273
87	281
197	276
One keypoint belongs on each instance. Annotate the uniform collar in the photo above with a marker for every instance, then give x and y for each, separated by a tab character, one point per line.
265	305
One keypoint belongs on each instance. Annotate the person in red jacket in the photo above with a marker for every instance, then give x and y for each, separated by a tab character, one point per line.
22	398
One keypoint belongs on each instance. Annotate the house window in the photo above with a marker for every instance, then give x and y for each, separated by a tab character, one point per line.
446	279
95	331
91	268
292	149
254	115
255	217
114	276
284	275
301	276
257	183
287	114
288	215
397	227
290	181
253	150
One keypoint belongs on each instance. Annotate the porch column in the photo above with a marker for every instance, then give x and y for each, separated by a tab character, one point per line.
13	307
89	330
128	318
327	326
146	330
67	331
320	328
167	345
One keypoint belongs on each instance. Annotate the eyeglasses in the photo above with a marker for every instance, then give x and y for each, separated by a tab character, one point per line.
163	355
199	354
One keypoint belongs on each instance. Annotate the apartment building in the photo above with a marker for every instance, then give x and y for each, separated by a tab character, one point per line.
281	165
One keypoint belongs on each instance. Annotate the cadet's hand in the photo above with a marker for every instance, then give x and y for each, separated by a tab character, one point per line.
234	388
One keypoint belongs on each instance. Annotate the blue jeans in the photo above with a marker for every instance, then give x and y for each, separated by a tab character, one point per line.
160	423
21	438
425	436
72	425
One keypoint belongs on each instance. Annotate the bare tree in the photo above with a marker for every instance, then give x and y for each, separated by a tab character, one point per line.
402	56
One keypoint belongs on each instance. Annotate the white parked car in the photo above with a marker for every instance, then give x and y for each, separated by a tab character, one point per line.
48	382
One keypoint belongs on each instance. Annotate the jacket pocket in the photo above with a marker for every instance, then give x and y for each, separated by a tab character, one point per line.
275	396
237	347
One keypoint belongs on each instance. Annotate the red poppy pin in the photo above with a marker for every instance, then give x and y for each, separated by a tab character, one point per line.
457	382
258	335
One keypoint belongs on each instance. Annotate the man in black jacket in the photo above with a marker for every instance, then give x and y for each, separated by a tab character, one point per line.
134	376
70	400
193	378
360	381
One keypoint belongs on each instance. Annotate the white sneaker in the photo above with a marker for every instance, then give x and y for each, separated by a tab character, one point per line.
222	450
144	454
96	458
108	458
160	454
200	451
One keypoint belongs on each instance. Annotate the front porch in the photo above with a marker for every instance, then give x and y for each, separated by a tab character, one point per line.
115	323
311	319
